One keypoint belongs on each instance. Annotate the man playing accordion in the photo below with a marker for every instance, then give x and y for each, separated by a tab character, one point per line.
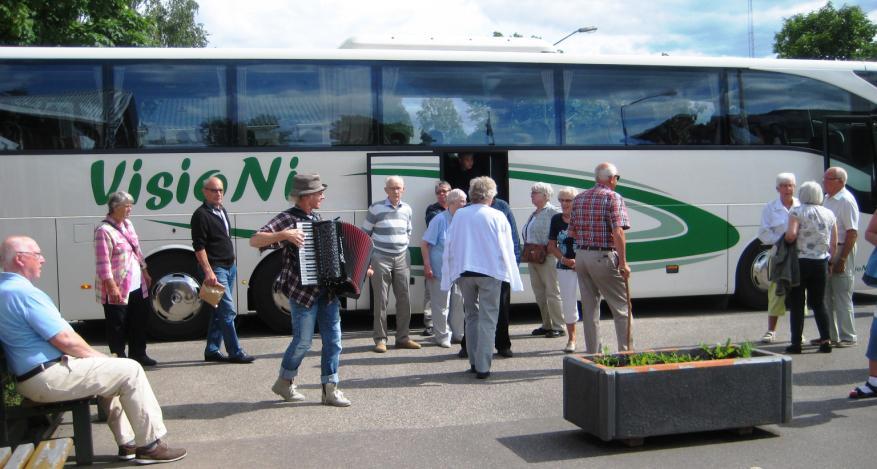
309	304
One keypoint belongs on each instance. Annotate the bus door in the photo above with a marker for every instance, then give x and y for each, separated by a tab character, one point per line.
484	163
850	144
420	171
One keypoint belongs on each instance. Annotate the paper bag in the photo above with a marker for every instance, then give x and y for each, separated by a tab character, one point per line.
211	294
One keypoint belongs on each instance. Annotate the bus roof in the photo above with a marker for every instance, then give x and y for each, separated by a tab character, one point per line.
128	53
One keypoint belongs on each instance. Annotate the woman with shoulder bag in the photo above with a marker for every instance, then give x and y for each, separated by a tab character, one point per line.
543	275
122	280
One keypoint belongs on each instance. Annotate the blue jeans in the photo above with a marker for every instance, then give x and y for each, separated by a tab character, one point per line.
221	325
324	312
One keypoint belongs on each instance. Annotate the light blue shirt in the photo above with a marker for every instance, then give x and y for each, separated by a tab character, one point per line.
435	235
28	319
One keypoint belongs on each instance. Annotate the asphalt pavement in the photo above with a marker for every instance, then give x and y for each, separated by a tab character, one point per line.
422	408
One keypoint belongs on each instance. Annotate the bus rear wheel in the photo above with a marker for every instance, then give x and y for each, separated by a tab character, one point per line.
177	312
271	306
751	290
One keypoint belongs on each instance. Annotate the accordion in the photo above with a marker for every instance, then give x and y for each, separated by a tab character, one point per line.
335	255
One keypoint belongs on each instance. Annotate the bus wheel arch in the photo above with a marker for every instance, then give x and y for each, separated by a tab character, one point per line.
271	306
750	291
176	311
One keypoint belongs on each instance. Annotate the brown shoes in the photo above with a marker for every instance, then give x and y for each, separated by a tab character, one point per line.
408	344
380	347
159	453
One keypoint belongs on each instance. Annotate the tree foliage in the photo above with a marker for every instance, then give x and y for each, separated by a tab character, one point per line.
829	34
157	23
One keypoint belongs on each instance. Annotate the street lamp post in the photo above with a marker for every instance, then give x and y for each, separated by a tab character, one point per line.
659	95
586	29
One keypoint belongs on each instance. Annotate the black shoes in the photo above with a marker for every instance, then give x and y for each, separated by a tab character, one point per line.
427	332
242	358
554	334
825	347
539	331
144	360
506	352
215	357
218	357
794	349
463	353
481	375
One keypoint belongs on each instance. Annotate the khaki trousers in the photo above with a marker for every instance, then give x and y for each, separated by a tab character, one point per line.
598	276
133	414
395	271
543	279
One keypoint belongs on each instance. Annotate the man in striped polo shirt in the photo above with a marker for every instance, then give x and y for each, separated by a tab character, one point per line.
389	224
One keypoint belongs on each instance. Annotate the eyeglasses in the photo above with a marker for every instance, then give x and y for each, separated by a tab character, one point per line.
827	178
35	254
213	189
617	177
442	191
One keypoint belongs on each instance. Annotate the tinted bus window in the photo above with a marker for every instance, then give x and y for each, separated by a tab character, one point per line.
298	104
167	105
469	104
50	107
782	109
637	106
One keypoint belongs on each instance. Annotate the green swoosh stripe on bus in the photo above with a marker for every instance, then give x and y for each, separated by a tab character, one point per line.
706	232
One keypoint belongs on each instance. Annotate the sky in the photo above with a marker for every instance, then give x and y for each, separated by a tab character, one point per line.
675	27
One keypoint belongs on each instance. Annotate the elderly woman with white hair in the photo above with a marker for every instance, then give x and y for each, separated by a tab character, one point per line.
479	256
122	280
774	221
813	229
543	275
447	325
562	247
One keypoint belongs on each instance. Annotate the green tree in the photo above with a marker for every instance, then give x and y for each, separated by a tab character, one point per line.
829	34
175	24
100	23
441	115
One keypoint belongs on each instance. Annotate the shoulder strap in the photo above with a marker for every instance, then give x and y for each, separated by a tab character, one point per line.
134	247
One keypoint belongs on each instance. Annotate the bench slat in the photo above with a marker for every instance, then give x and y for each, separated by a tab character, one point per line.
51	454
20	456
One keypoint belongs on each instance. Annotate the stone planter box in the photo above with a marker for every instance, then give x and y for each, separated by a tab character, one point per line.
631	403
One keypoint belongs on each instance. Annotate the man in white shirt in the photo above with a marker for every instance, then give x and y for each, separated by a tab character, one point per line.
839	289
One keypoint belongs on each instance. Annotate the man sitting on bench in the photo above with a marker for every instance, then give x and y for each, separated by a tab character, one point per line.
52	363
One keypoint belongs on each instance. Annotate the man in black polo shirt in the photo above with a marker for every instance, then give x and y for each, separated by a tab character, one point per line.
211	238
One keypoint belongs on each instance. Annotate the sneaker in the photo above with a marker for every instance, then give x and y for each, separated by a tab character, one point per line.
158	454
847	343
127	452
333	396
570	347
380	347
769	337
446	344
408	344
287	391
552	334
215	357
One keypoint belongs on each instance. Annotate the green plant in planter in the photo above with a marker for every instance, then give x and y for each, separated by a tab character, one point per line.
716	352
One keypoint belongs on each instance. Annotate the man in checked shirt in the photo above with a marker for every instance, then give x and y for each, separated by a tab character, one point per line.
597	223
309	305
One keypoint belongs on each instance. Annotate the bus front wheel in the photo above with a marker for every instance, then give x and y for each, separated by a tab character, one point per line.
751	291
177	312
271	306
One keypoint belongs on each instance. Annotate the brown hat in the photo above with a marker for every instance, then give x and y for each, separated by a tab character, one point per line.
304	184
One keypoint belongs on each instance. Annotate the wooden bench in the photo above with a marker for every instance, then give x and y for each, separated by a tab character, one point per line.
80	409
48	454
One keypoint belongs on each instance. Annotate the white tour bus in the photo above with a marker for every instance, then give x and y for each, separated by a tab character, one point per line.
698	142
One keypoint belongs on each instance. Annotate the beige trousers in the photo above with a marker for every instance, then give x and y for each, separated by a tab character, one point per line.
120	380
599	277
543	279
